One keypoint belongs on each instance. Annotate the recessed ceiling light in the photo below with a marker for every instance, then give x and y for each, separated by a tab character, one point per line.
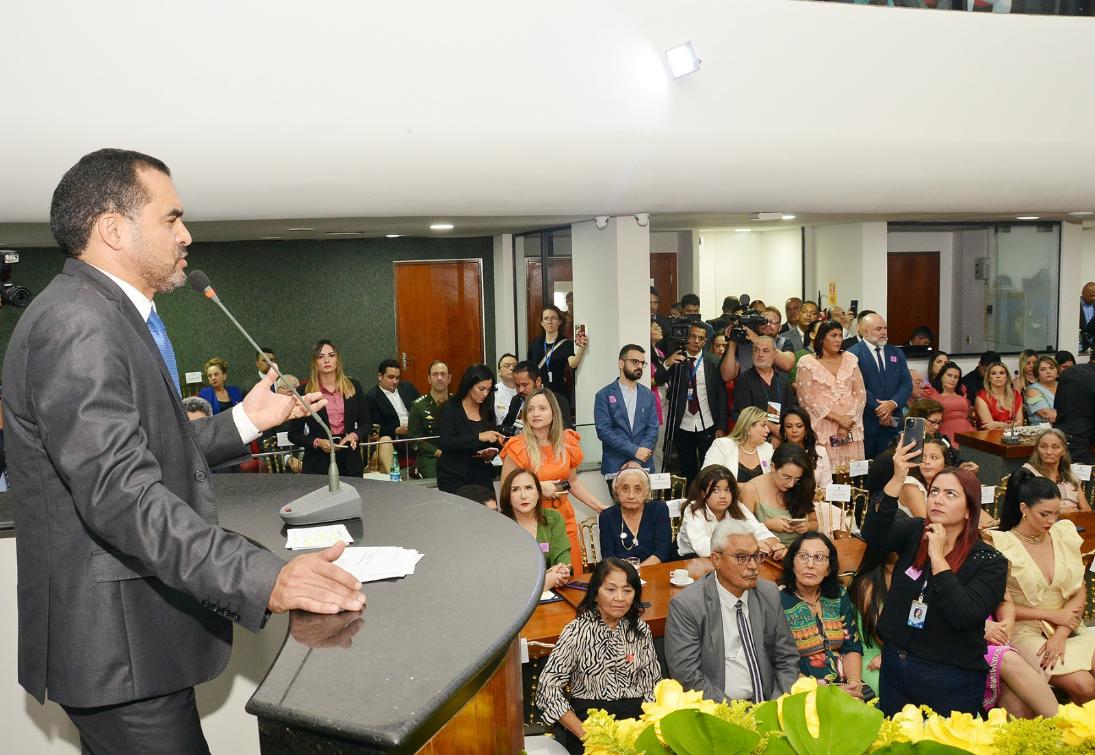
393	235
302	229
1027	217
342	233
788	217
269	238
744	230
441	227
1082	213
682	60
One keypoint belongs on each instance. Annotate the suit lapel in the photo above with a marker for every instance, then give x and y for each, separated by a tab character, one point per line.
712	609
756	623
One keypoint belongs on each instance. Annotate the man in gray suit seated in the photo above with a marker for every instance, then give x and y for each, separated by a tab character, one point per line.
726	635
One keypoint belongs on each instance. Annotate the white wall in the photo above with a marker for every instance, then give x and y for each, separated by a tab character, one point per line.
969	307
933	241
763	264
1087	255
851	255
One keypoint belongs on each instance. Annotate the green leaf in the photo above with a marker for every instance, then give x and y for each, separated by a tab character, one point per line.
648	742
778	745
925	747
692	732
848	726
767	716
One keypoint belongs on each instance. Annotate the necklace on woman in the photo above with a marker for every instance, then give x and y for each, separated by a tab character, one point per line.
1029	539
747	453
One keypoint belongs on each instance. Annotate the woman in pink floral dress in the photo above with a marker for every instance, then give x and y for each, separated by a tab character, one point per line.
830	387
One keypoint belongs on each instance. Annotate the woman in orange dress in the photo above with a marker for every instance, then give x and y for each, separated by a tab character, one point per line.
553	455
830	387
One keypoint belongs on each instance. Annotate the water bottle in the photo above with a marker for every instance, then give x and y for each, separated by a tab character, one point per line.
394	474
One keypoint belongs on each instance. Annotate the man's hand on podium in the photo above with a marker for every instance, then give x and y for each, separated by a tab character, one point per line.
319	631
313	583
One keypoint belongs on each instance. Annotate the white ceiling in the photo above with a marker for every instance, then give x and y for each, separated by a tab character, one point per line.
502	116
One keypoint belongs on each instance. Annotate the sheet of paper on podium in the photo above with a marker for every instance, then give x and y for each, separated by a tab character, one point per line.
376	563
298	538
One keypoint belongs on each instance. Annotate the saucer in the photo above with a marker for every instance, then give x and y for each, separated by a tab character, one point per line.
682	582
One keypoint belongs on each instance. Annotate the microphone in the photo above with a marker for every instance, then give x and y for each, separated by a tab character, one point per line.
744	300
330	504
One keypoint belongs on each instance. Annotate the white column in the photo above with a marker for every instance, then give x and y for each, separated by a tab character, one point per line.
1071	282
505	332
611	298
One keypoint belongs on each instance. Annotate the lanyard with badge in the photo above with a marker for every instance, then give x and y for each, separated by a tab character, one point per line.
694	369
918	611
547	356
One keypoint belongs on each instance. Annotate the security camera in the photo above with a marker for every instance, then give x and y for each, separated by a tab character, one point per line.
601	222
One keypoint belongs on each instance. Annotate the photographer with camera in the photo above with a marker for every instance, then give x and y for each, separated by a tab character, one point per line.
743	332
696	399
11	293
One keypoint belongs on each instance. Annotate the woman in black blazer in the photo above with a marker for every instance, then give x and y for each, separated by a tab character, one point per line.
346	413
468	438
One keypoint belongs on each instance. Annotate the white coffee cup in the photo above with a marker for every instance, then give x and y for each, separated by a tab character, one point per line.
678	574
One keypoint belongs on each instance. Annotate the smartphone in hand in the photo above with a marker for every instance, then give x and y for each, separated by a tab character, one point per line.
915	428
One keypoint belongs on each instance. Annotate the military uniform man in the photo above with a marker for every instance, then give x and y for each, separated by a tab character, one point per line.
422	419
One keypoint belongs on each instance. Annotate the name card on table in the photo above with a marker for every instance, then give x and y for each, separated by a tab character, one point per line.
1081	472
193	377
660	481
283	440
674	505
988	494
858	468
838	492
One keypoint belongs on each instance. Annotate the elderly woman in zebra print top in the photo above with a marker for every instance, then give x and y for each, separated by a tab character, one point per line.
606	655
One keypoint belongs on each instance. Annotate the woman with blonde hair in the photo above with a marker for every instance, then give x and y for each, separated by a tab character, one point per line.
553	454
998	404
746	452
1050	459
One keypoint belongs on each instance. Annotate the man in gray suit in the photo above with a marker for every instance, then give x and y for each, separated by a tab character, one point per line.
127	586
726	635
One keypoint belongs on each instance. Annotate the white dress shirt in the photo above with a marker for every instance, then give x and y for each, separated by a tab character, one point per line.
397	403
631	394
503	395
702	421
738	684
246	428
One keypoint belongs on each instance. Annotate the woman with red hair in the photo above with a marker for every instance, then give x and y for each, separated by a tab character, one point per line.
946	581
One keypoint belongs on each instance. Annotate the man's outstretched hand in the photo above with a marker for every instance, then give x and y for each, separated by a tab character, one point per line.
313	583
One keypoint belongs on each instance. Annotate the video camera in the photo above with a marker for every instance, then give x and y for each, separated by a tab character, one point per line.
738	323
10	293
677	336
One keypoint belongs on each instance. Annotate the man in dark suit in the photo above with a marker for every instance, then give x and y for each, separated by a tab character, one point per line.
888	383
626	415
1075	405
1087	316
390	407
974	380
526	379
763	386
696	399
127	586
263	360
726	635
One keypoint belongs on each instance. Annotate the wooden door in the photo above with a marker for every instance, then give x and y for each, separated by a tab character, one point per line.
434	297
663	270
912	297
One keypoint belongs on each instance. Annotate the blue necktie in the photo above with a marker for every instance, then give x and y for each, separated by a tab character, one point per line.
163	343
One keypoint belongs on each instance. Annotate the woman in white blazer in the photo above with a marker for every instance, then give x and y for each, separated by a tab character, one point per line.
746	452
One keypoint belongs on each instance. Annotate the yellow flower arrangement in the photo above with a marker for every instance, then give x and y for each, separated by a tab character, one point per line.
961	730
809	685
1077	722
669	696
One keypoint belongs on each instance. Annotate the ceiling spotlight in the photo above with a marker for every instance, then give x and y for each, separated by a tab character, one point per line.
787	217
1081	213
392	235
269	238
1027	217
342	233
441	227
682	60
302	229
743	230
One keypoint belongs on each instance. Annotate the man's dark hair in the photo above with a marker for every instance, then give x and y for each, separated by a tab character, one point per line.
922	331
265	350
690	300
478	493
730	303
107	180
507	354
1064	356
386	365
529	367
988	358
631	347
654	291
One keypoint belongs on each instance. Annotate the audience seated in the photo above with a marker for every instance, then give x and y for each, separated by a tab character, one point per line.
526	379
346	414
795	427
263	360
1065	360
480	494
422	420
913	499
1012	683
713	497
585	670
1027	373
636	527
468	438
820	615
1046	583
945	388
830	387
868	591
390	403
520	499
974	380
553	455
1038	398
726	634
625	415
998	404
196	408
218	393
782	499
939	359
1050	459
505	389
746	451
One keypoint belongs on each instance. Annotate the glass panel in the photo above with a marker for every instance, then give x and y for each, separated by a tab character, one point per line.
1022	295
1039	7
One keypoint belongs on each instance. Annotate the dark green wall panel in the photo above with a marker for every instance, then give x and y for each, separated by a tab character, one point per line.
287	294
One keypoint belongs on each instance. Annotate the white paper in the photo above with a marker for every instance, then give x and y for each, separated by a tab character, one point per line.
283	440
193	377
660	481
988	494
298	538
1082	472
858	468
524	651
674	505
838	492
373	564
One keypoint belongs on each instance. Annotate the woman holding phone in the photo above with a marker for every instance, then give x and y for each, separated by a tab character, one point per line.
468	438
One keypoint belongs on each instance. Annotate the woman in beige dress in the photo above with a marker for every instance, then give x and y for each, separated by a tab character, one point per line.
830	387
1046	583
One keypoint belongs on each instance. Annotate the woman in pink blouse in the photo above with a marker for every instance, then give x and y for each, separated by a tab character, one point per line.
946	388
830	388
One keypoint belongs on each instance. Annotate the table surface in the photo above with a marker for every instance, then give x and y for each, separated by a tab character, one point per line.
990	441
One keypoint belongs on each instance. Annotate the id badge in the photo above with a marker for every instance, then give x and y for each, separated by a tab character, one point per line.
918	611
549	376
691	393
